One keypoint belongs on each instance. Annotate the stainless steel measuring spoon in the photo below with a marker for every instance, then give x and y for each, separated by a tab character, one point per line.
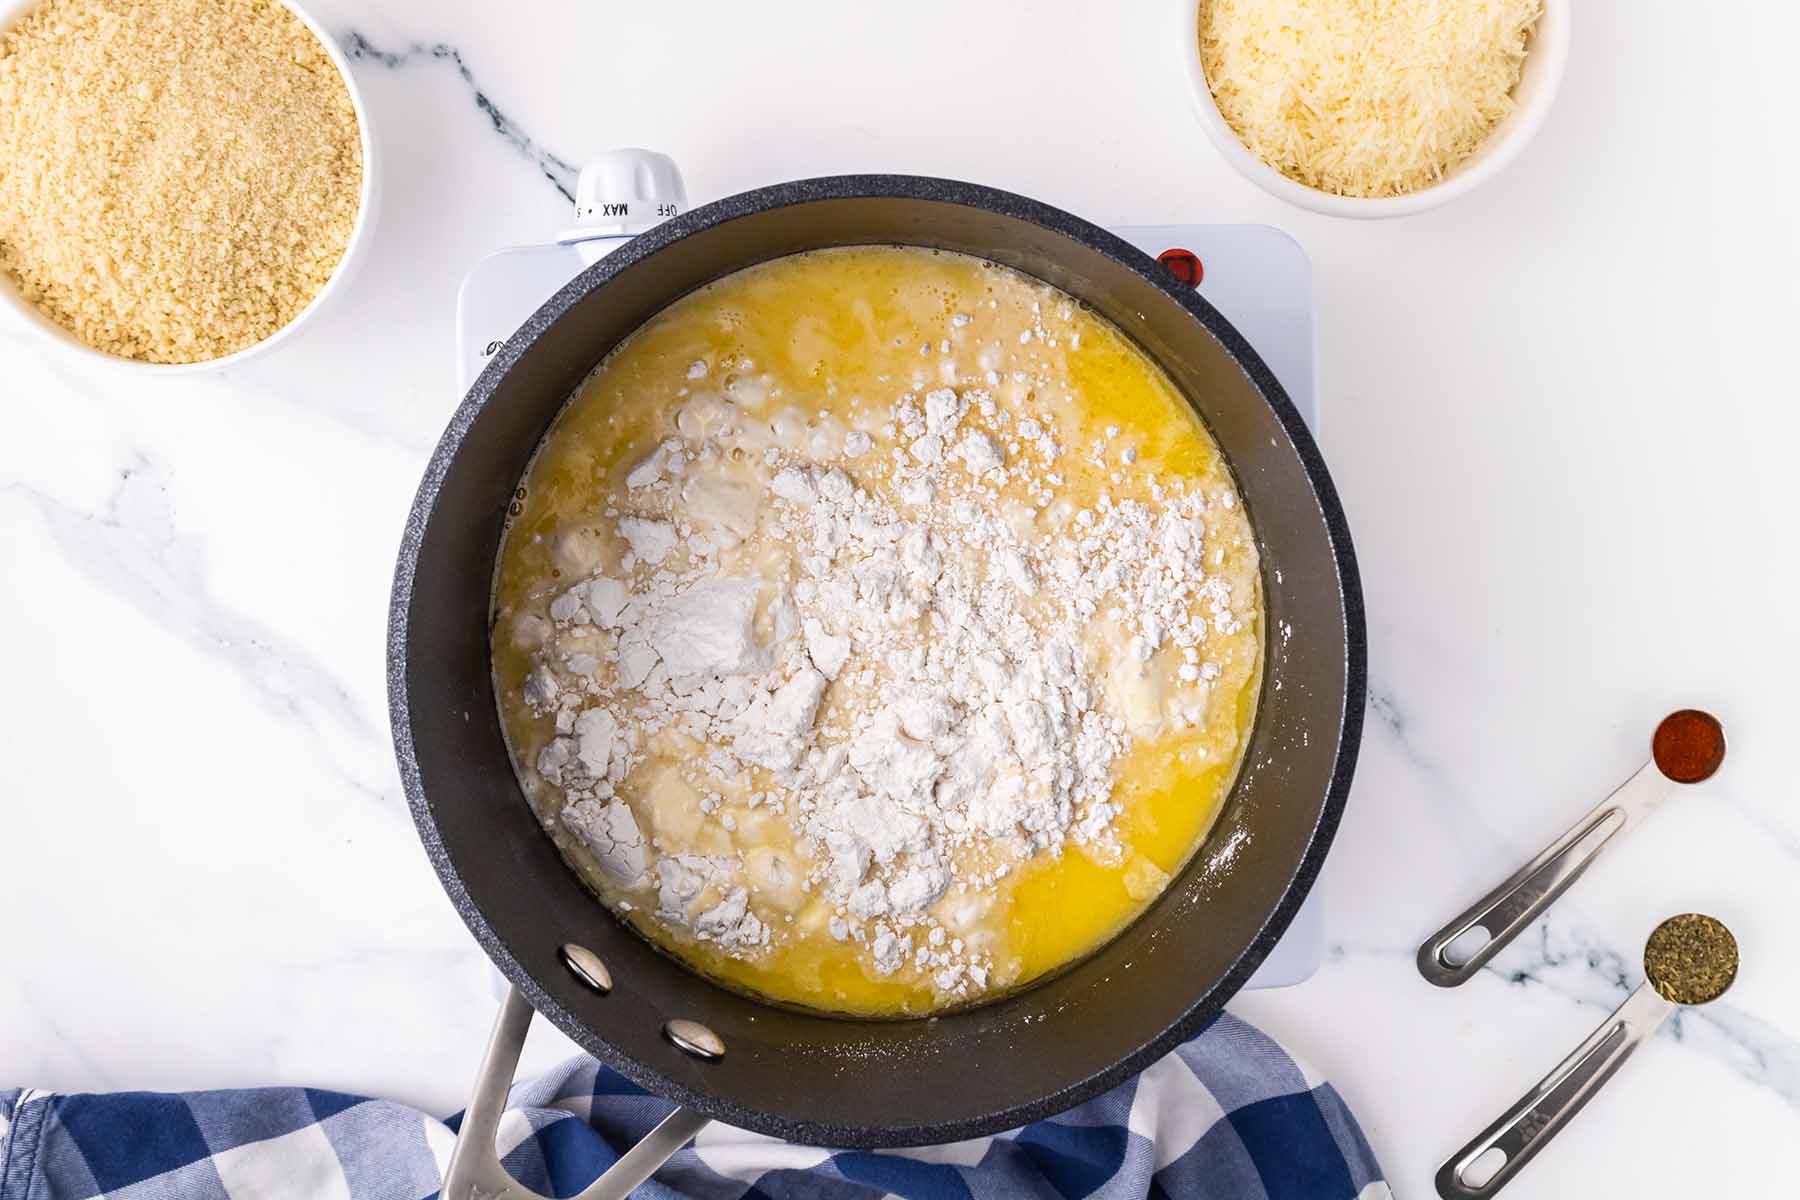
1688	959
1688	747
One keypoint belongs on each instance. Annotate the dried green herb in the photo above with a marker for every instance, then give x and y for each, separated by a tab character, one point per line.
1691	959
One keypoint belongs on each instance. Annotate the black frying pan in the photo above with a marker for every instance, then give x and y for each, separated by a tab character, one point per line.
816	1078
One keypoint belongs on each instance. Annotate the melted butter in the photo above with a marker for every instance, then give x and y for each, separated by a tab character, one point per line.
819	331
1064	909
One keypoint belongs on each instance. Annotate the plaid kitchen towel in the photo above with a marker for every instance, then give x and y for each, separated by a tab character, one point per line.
1227	1116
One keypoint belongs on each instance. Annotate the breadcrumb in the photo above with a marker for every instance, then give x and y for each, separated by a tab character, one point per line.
177	179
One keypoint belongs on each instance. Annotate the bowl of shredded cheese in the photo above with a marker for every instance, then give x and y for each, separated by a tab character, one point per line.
1373	108
183	184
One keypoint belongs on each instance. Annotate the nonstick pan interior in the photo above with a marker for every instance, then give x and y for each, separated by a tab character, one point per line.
816	1078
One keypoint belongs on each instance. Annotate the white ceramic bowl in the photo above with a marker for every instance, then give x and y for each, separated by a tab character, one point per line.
15	306
1538	80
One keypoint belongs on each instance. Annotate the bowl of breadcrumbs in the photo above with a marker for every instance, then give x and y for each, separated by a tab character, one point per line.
182	183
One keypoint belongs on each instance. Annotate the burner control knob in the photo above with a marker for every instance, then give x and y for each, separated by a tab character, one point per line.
625	192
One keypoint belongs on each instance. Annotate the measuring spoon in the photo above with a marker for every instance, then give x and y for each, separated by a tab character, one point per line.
1688	747
1688	959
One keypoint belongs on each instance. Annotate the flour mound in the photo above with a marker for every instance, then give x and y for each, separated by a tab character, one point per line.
896	652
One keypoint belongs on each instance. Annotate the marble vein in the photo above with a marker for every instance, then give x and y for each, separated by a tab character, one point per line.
131	550
1597	977
45	1028
559	171
1386	711
1559	958
1755	1049
1464	821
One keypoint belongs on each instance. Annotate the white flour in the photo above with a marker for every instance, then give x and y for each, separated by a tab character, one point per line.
898	644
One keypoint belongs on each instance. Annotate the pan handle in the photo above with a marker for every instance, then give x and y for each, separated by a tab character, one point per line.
475	1172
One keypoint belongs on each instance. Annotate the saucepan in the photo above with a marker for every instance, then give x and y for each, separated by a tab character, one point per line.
806	1076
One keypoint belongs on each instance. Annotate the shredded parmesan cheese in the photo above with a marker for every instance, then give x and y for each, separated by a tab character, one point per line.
1364	97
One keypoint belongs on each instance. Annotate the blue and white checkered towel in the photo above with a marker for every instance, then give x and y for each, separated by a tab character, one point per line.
1228	1116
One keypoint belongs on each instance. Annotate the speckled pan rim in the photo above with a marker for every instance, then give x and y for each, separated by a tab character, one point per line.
1209	1002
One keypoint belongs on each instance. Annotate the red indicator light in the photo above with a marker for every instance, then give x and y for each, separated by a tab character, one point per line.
1183	265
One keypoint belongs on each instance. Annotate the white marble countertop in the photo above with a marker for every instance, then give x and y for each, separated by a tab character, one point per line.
1561	414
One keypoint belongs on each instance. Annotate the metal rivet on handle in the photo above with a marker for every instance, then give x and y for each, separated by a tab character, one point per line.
695	1038
587	967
